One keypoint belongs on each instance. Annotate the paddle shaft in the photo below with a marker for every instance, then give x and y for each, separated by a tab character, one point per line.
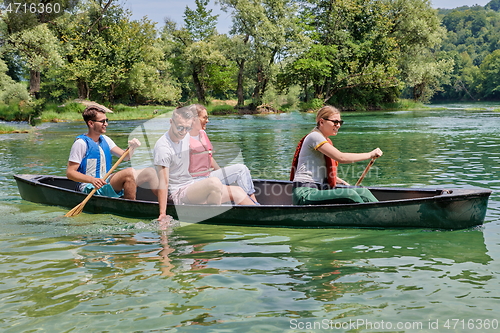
366	171
77	210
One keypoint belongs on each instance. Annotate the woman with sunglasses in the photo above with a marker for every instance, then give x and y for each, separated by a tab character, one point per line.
314	165
203	165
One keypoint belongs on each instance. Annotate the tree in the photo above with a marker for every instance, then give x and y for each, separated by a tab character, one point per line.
417	29
203	58
39	48
266	31
108	56
11	92
200	22
27	14
352	50
493	5
473	33
29	36
310	69
195	51
490	76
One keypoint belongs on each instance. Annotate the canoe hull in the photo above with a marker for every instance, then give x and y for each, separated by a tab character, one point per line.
398	208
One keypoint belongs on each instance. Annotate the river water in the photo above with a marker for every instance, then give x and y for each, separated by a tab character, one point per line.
105	273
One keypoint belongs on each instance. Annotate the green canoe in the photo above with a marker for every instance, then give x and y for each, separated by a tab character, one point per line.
397	207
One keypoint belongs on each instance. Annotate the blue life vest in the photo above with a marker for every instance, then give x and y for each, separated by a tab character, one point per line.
91	163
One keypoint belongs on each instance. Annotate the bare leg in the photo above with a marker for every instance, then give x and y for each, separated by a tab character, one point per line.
236	194
125	179
147	178
208	190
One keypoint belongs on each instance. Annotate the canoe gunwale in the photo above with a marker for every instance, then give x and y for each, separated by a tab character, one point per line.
446	194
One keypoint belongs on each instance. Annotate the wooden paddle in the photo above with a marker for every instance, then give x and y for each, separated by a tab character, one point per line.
366	171
79	208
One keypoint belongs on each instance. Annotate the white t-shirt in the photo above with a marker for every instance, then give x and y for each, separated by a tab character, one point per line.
174	156
79	150
311	166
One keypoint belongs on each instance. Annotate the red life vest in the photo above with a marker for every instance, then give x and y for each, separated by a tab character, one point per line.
331	164
200	156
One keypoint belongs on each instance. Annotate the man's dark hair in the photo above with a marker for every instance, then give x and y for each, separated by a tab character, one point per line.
90	113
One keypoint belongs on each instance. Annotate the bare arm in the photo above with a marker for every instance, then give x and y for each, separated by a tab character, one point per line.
215	166
341	157
133	144
162	192
73	174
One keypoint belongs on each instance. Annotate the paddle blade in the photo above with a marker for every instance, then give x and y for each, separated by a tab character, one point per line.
75	211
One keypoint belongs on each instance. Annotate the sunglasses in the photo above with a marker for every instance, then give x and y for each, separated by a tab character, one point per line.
336	122
181	128
104	121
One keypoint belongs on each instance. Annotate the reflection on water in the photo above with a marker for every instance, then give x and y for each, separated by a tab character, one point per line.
96	273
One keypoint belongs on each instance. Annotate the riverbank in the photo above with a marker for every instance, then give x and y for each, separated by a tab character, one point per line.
120	112
7	129
72	111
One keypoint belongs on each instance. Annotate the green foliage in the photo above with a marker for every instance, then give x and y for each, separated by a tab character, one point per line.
73	107
220	109
313	105
473	34
200	22
14	93
264	31
363	49
16	112
356	54
112	58
38	46
493	5
15	102
490	76
6	128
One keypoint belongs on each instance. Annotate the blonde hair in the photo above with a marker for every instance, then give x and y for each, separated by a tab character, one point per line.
199	108
325	112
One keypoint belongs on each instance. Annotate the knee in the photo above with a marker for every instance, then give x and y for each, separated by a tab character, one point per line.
243	168
150	174
128	174
214	184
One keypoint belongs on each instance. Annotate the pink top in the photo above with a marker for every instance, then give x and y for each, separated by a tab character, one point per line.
200	155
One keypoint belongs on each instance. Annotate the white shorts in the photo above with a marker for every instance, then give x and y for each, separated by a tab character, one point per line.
179	196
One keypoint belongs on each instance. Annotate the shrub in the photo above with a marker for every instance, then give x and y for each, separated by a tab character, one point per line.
73	107
15	112
313	105
221	109
15	94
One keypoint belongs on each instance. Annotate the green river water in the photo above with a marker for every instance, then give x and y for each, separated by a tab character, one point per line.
105	273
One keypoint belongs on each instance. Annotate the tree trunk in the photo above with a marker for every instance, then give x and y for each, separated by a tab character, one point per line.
34	81
257	91
200	90
83	89
306	95
239	90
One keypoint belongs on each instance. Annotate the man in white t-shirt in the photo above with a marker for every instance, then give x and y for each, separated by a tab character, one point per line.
171	158
90	159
